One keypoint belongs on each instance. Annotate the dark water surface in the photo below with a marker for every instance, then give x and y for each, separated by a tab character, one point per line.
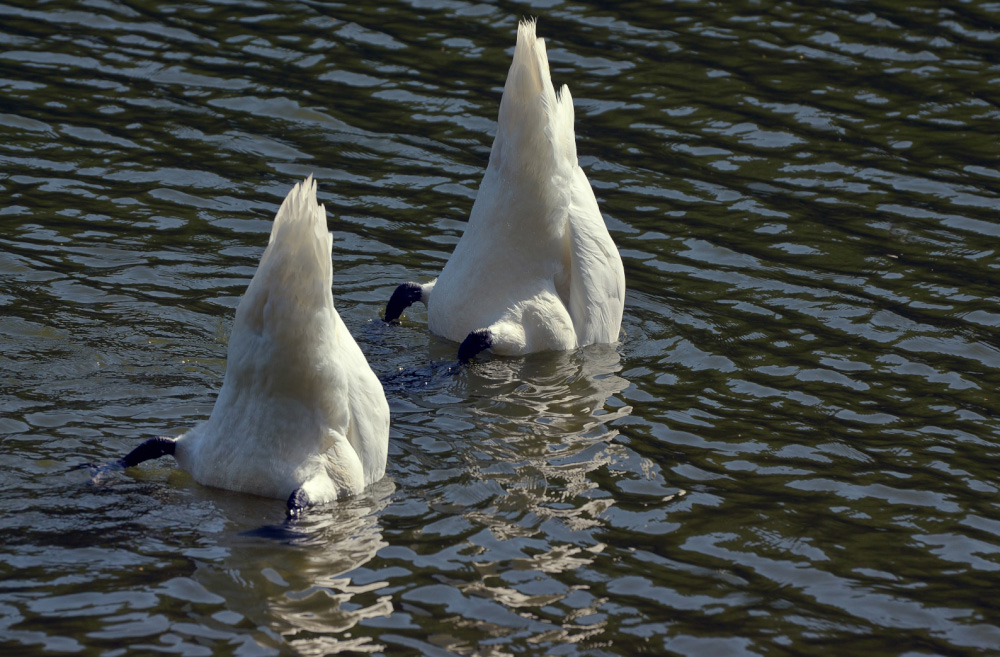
793	450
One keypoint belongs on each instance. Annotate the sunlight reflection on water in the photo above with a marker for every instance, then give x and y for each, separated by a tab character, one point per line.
793	444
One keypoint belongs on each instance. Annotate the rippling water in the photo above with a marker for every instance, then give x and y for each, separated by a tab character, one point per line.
793	450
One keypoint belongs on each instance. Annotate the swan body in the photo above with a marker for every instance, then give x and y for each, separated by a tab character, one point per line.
301	416
536	268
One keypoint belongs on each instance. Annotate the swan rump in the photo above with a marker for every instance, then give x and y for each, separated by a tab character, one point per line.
536	268
301	416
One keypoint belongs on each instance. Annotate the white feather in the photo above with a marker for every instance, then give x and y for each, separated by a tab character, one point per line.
299	405
536	264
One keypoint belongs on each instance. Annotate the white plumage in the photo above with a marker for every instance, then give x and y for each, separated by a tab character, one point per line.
536	269
299	407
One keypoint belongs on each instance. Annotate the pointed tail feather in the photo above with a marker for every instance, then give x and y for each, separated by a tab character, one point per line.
531	108
300	225
295	274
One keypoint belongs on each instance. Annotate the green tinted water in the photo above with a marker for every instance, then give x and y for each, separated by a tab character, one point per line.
793	450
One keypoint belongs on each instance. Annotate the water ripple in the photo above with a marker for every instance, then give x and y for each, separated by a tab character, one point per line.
793	444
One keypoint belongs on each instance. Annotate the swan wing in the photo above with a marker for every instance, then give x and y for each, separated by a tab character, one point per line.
368	432
597	277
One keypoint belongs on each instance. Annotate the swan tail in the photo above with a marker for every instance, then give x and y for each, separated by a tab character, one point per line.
536	134
535	124
299	238
295	274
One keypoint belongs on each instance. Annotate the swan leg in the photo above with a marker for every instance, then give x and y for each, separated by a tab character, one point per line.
153	448
404	296
478	340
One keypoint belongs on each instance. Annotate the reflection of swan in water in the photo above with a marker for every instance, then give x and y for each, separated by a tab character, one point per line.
523	457
523	422
553	394
551	421
305	593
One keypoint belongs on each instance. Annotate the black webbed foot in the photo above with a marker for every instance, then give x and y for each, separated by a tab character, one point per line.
297	501
477	341
287	532
404	297
97	472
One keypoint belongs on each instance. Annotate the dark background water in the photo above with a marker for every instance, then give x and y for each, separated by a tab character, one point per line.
793	450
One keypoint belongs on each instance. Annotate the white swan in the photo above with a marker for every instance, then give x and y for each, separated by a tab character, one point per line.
301	416
536	269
